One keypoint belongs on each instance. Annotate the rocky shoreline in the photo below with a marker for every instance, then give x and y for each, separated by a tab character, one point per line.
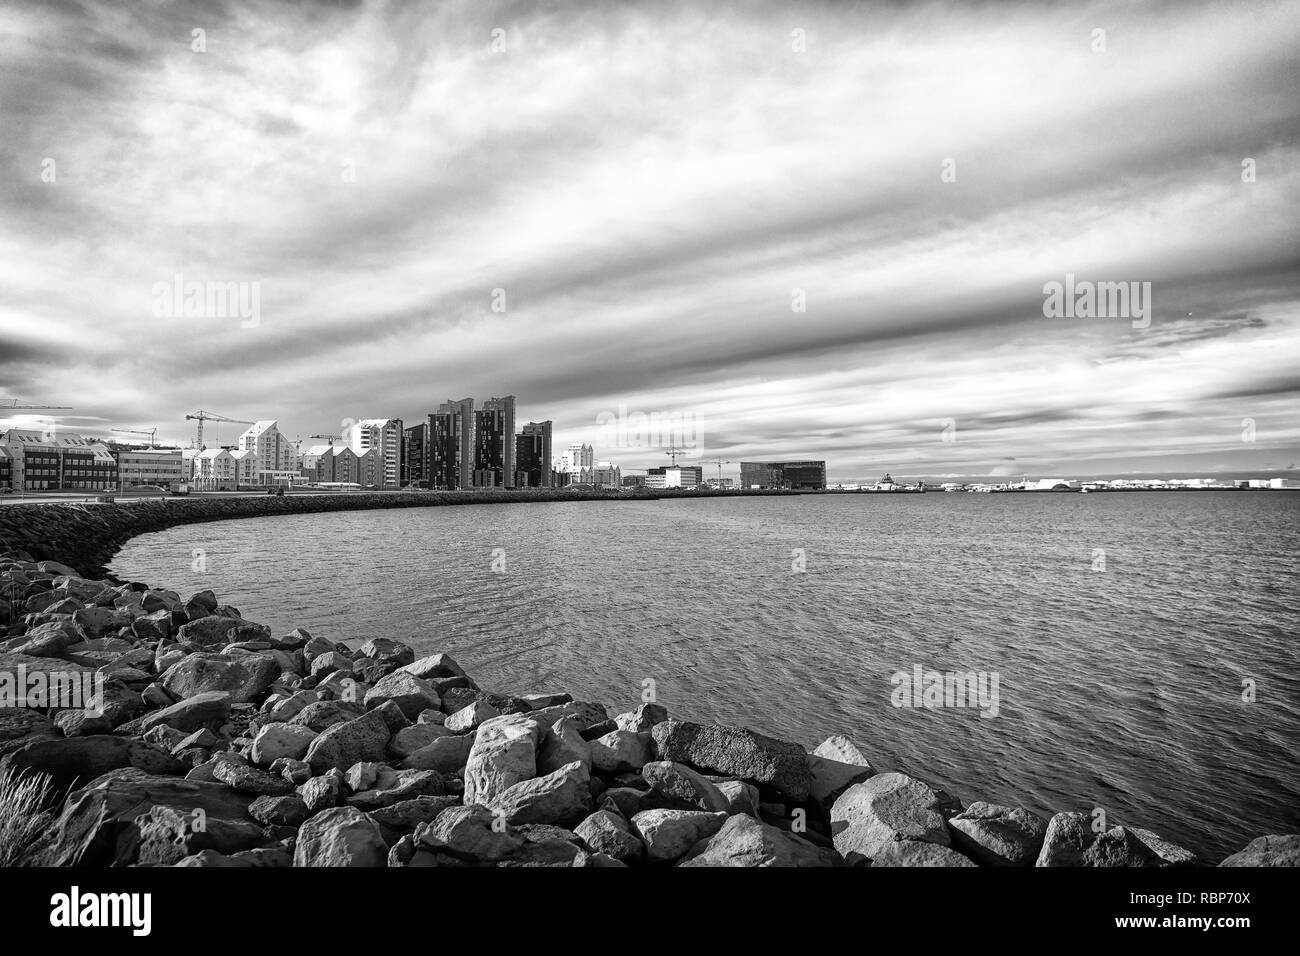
214	742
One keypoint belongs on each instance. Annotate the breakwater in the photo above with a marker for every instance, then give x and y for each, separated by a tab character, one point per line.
87	536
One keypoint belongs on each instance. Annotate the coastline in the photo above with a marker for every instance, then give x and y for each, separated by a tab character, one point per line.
299	750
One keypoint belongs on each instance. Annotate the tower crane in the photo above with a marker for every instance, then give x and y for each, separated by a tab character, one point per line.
12	404
331	438
719	462
201	416
136	431
674	452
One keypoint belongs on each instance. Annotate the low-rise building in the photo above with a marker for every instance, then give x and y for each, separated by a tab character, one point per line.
789	475
138	465
58	461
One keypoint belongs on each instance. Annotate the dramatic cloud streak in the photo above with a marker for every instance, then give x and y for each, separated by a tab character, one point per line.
649	184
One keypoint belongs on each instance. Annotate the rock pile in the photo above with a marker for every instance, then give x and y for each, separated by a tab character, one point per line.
216	743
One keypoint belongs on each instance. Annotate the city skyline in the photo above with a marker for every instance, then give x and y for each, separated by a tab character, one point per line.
415	210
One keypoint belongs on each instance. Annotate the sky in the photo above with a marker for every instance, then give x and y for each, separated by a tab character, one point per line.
757	231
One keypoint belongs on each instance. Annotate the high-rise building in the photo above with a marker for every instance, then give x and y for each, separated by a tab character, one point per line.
541	431
451	445
384	435
494	439
415	456
578	456
530	471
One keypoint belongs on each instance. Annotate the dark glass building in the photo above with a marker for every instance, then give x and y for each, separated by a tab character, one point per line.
791	475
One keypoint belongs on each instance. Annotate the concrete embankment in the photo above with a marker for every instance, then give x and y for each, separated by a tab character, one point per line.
87	536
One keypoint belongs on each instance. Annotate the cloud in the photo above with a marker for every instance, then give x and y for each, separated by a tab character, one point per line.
652	190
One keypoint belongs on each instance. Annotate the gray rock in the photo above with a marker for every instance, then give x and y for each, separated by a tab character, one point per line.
469	833
998	836
362	776
74	760
642	719
830	778
331	661
384	649
562	744
562	798
447	755
324	714
1171	853
736	752
435	665
470	717
277	740
745	841
411	740
1071	841
1277	850
684	788
340	836
323	792
353	741
918	853
670	834
295	771
167	835
404	785
504	753
251	780
411	694
886	808
285	811
620	751
244	678
607	832
210	709
741	797
409	814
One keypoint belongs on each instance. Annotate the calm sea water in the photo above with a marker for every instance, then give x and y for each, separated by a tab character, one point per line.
1119	688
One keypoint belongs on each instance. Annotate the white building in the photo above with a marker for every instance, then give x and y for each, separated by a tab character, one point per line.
214	470
276	456
248	466
385	436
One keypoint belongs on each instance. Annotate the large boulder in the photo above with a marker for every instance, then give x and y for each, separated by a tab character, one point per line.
276	740
684	788
622	751
670	834
919	853
209	709
1283	850
470	833
888	807
608	832
1070	840
411	694
447	755
736	752
562	798
244	678
340	836
217	630
998	836
168	835
435	665
745	841
75	760
563	743
504	754
352	741
388	651
250	780
99	825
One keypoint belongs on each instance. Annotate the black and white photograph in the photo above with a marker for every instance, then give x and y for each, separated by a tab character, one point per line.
551	434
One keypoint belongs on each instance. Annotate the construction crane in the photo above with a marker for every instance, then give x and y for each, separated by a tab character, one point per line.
13	404
135	431
674	452
332	438
201	416
719	462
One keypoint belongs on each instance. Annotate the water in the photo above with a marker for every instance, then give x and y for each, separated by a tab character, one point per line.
1118	688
